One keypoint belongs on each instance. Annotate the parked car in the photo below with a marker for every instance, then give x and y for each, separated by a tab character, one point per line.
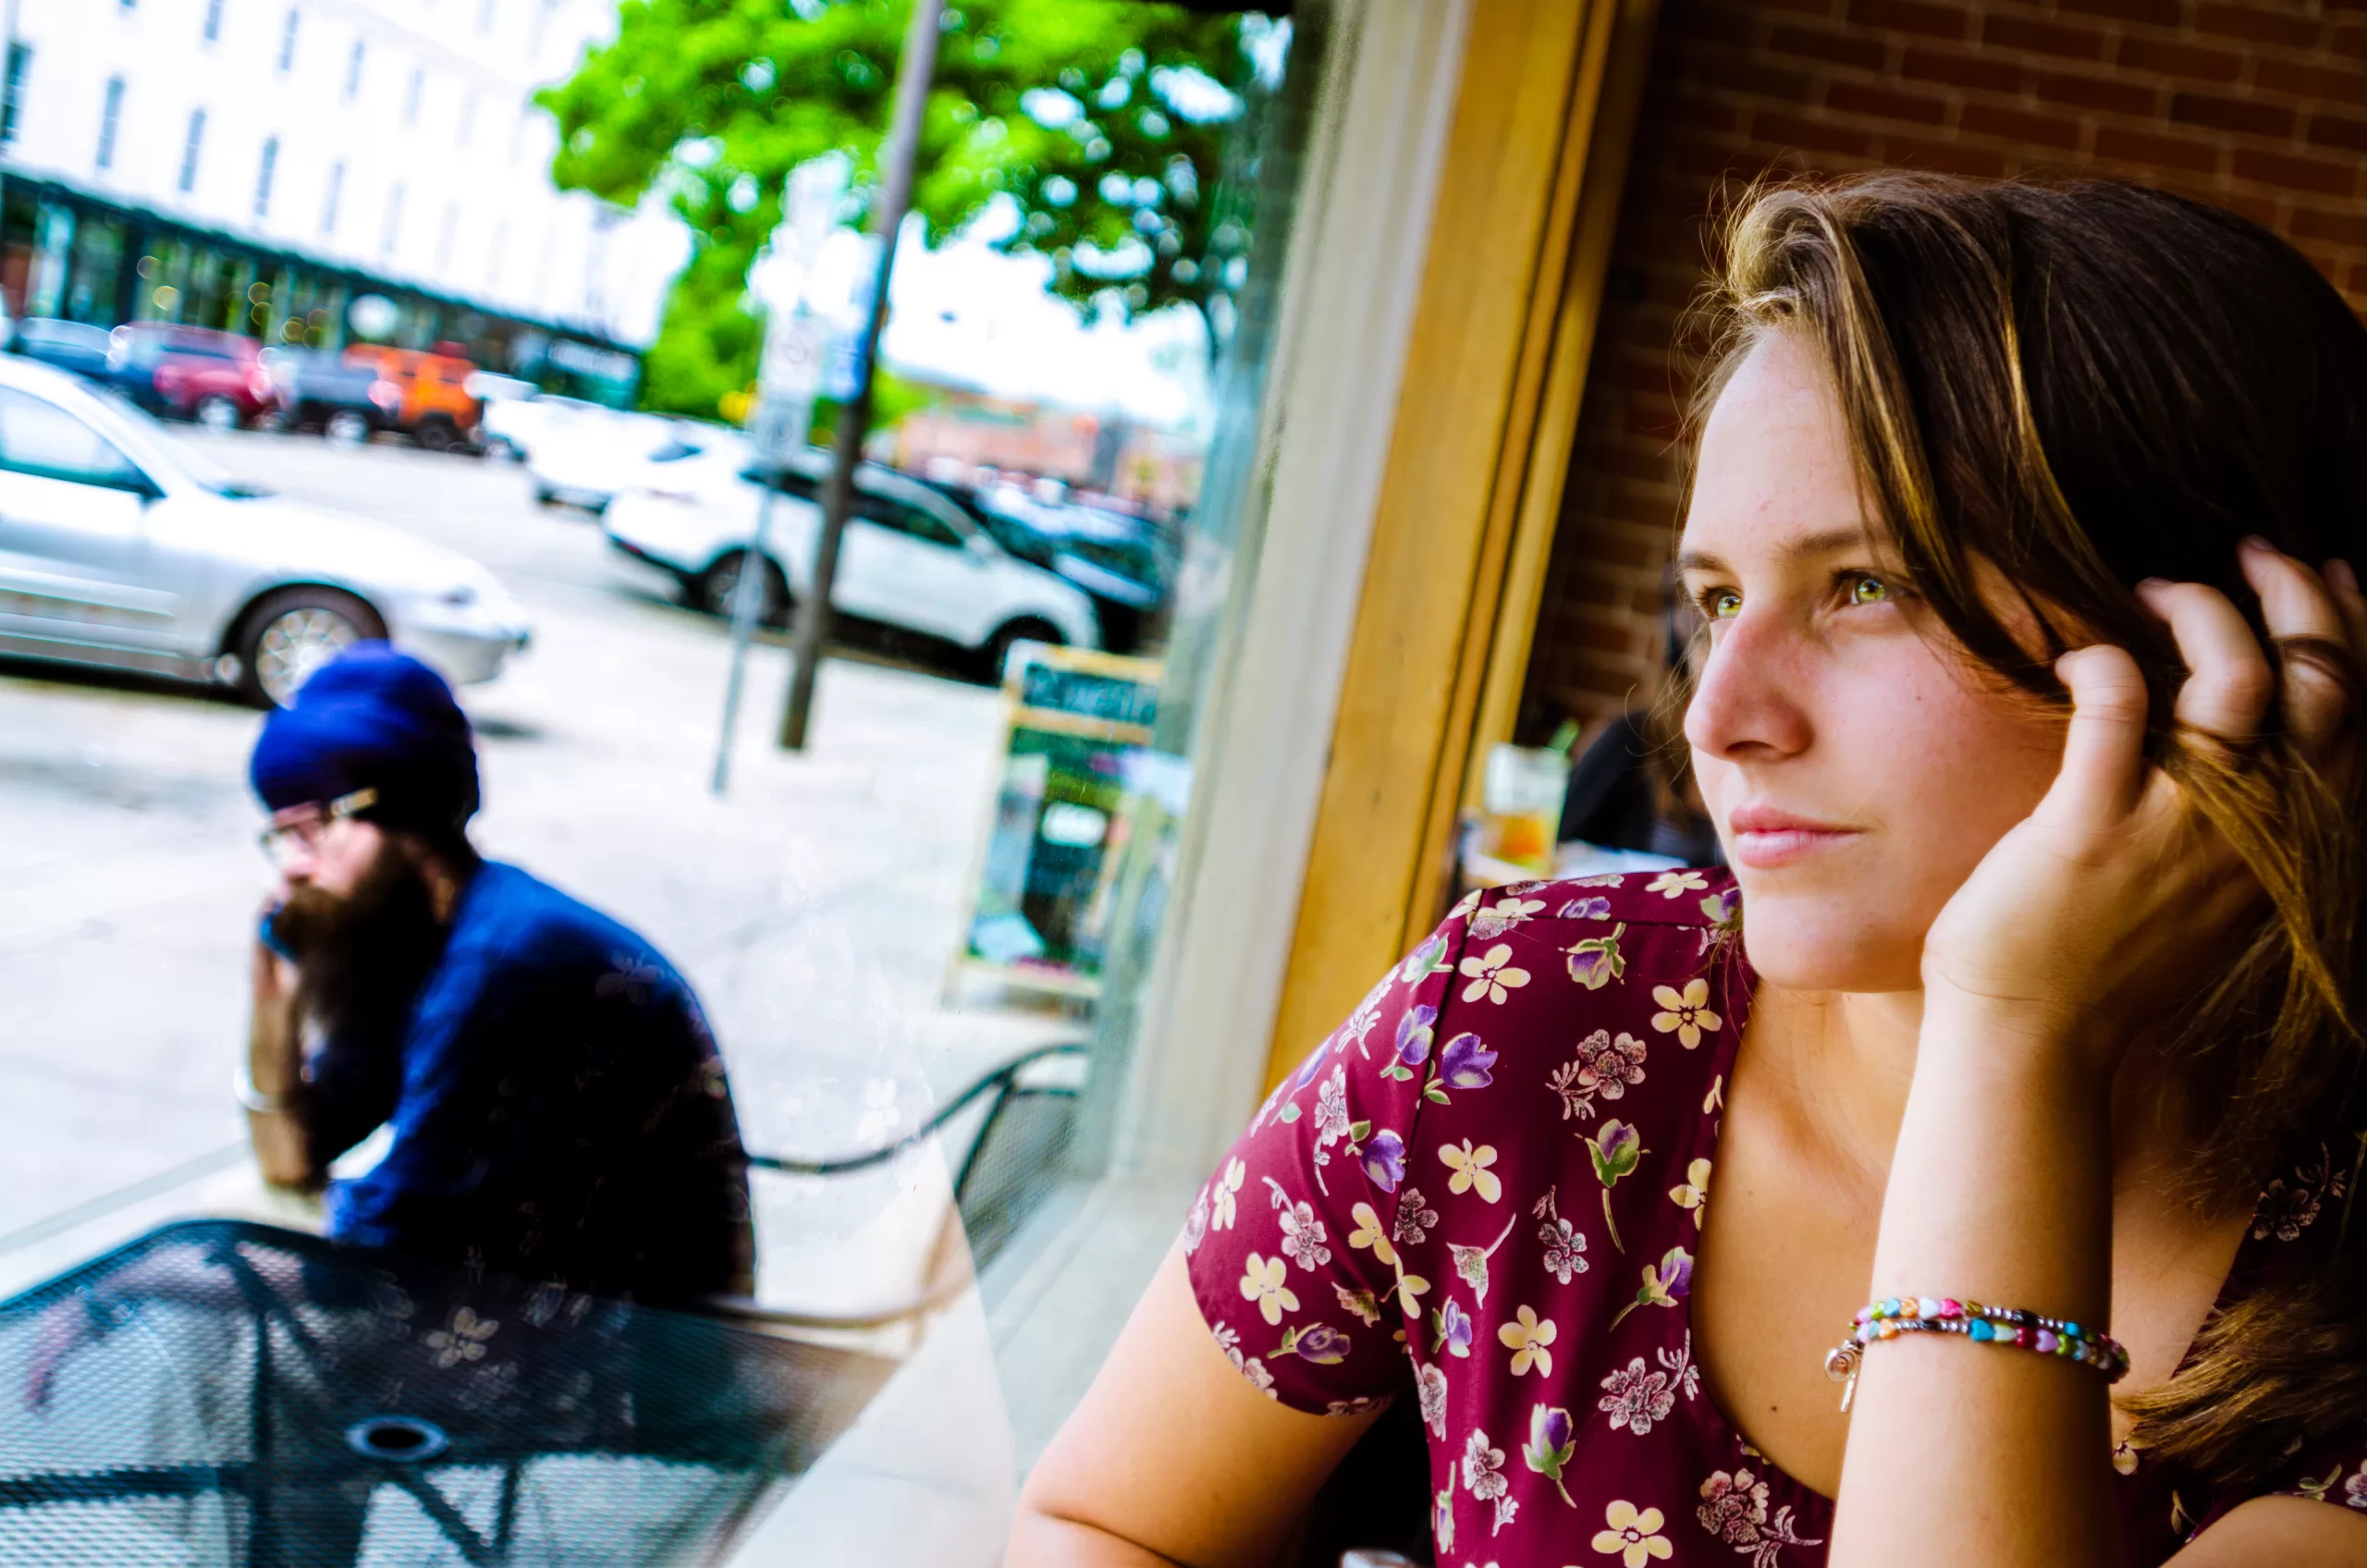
120	547
911	558
215	378
586	457
436	410
69	345
346	402
1126	564
512	426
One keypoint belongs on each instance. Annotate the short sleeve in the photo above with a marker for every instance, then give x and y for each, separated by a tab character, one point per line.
1291	1245
2328	1469
350	1087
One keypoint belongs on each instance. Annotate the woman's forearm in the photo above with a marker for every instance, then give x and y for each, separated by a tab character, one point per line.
2000	1192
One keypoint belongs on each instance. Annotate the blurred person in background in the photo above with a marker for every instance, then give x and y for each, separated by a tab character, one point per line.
557	1107
1633	787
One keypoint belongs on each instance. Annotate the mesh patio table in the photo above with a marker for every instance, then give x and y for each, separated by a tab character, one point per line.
219	1392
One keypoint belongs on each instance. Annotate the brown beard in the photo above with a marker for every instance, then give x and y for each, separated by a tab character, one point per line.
361	957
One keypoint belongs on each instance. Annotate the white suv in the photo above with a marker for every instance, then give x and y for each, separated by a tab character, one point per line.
911	557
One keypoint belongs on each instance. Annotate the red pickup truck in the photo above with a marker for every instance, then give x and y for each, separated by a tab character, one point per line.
216	378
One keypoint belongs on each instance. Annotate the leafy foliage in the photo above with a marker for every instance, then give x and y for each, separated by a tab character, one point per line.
1104	120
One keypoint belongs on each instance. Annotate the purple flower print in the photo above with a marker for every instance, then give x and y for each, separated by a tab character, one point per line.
1318	1342
1550	1443
1451	1330
2354	1492
1413	1034
1309	1067
1464	1064
1584	909
1666	1283
1723	908
1597	961
1384	1161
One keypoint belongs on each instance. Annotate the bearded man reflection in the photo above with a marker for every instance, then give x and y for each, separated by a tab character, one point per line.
559	1111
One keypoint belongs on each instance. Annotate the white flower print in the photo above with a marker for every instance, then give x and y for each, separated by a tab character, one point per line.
1195	1224
1360	1022
1464	905
1470	1168
1685	1013
1442	1516
1483	1467
1303	1237
1430	1391
1526	1338
1492	975
1471	1263
1261	1281
1414	1219
1361	1304
1636	1398
1505	914
2354	1490
1675	884
1734	1509
1332	1106
1222	1191
1603	1066
1564	1249
1693	1193
1683	1374
1259	1379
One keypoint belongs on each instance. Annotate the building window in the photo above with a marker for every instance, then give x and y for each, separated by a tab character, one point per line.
287	40
328	202
190	151
411	93
12	90
393	231
110	120
353	69
263	176
212	32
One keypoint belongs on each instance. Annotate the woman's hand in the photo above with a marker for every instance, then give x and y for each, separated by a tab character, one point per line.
2097	911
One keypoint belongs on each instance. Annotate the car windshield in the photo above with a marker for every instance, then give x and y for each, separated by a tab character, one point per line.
159	445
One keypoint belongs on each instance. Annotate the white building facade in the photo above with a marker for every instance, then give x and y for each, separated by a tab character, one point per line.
261	164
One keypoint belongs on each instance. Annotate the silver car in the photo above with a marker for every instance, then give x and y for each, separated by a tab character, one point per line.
118	547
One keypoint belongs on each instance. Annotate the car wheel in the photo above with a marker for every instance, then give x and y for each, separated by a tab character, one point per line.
995	657
346	428
293	632
217	412
718	589
501	449
438	434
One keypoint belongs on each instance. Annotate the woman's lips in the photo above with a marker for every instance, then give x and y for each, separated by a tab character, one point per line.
1764	840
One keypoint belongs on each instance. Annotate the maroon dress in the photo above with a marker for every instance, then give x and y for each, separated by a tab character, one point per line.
1487	1188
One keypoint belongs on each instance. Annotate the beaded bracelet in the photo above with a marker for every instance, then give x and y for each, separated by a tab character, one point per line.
1894	1316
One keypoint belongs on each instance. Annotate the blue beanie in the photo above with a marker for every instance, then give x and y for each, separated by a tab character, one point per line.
372	718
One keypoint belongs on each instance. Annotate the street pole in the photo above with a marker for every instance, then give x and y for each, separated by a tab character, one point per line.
913	70
747	601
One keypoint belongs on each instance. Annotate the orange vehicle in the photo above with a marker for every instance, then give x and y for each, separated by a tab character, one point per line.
436	410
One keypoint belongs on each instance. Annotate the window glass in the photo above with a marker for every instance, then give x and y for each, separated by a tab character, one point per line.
39	437
901	517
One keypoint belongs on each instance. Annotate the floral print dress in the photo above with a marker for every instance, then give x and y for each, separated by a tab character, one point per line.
1485	1189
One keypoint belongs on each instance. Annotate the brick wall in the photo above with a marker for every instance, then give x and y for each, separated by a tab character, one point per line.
2259	107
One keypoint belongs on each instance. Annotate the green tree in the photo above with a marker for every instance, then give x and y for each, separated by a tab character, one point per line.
1104	120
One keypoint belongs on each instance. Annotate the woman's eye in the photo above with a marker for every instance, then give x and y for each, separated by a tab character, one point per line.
1866	590
1721	604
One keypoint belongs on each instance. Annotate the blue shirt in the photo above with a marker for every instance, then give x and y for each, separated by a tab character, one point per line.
560	1110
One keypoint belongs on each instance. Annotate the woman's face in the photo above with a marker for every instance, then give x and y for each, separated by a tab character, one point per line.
1857	767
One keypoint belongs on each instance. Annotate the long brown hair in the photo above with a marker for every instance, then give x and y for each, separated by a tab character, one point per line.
2085	385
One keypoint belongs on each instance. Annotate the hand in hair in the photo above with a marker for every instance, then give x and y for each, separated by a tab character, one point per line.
2103	908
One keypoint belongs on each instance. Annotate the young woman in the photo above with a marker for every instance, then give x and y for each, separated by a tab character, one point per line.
2030	1012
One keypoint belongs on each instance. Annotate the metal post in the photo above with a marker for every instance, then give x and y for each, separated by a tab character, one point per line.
899	154
747	599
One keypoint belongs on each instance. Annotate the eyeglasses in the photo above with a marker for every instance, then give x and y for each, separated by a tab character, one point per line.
286	843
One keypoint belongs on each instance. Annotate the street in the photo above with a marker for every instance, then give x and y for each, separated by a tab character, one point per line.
814	909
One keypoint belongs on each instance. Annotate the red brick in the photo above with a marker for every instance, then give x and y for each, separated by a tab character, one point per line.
1814	136
2350	41
2242	115
1748	74
1710	115
1879	103
1911	15
1700	160
1943	158
1805	8
1738	27
2044	38
1962	69
2255	24
2157	151
1830	45
2333	130
2108	94
2191	61
2015	125
2339	228
2156	12
2354	282
2330	85
2295	173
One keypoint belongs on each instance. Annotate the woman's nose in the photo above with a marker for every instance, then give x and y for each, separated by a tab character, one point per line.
1746	698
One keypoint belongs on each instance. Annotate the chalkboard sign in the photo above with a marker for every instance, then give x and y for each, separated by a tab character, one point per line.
1074	721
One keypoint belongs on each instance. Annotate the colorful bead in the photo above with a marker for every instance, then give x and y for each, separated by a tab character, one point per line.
1950	1307
1981	1330
2046	1341
1927	1306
